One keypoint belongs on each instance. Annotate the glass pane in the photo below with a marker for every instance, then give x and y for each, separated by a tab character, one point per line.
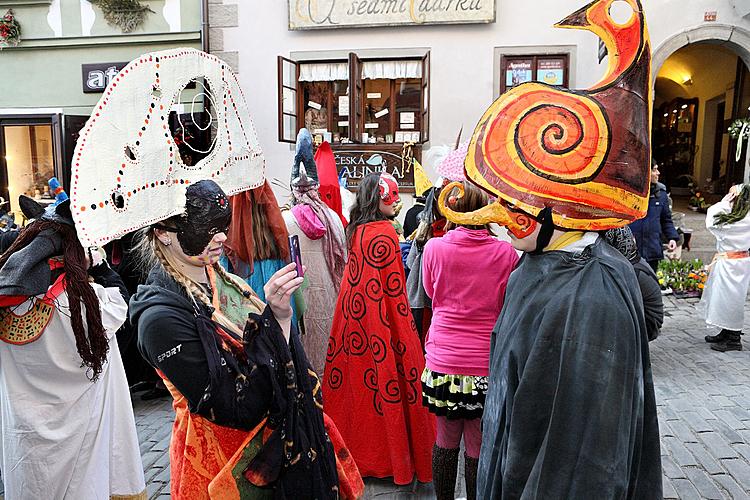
518	71
315	100
340	106
289	105
408	115
551	70
377	111
290	127
289	74
30	160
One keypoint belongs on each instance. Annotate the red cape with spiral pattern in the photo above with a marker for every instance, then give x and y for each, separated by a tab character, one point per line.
372	375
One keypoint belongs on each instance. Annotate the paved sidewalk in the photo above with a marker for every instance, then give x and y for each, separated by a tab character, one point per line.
704	408
704	415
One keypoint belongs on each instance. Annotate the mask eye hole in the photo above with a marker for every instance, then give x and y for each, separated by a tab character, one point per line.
130	153
118	200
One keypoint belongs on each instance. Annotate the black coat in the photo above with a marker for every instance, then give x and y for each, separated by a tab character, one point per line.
570	411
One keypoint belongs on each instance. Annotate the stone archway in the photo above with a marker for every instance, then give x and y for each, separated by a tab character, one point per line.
733	37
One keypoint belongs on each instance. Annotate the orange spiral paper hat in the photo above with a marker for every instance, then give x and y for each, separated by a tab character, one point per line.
583	153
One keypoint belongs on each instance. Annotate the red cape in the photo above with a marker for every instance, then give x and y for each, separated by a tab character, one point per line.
328	179
372	387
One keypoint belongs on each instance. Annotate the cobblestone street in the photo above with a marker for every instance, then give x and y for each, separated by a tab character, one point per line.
704	415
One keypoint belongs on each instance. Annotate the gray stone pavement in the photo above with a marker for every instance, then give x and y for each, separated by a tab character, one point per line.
704	416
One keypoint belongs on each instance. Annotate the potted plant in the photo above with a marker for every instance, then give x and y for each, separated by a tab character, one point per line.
686	279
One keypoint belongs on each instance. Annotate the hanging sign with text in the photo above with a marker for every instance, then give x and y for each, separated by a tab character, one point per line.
355	161
96	77
315	14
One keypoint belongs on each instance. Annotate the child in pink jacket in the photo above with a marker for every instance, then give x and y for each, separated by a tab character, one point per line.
465	273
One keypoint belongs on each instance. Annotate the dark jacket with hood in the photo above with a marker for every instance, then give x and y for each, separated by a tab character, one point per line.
648	231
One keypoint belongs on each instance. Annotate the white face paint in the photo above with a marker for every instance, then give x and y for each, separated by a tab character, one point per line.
126	168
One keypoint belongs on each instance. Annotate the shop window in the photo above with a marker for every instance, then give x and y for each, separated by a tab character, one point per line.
549	69
376	101
29	156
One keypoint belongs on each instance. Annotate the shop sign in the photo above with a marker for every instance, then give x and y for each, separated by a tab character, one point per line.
313	14
518	72
353	165
96	77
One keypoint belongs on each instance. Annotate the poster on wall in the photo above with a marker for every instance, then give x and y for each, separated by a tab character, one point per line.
551	71
321	14
518	72
354	162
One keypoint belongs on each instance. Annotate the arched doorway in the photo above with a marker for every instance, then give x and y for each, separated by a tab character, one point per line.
701	84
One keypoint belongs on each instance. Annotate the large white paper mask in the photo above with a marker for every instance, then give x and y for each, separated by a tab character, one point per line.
127	172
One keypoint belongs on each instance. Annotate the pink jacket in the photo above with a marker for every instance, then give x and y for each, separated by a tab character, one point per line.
465	273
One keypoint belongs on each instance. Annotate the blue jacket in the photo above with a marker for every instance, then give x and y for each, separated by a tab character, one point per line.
648	231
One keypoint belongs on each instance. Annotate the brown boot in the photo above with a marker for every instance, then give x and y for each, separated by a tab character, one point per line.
470	476
444	470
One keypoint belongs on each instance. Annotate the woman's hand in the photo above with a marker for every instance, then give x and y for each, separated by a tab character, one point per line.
279	290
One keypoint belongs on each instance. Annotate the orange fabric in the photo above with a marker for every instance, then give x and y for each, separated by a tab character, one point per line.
351	485
198	451
203	454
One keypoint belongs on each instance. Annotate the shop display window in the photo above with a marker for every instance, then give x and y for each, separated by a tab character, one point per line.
549	69
371	101
29	160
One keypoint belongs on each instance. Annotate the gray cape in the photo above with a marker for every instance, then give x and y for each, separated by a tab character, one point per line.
570	412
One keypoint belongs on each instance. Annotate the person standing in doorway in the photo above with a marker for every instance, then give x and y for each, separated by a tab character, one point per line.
657	223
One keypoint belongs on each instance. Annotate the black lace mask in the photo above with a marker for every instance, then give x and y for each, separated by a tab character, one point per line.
207	213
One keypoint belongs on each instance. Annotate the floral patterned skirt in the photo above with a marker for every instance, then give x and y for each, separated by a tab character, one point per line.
453	396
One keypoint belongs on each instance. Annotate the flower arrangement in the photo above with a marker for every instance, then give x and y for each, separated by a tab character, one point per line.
10	30
740	126
685	278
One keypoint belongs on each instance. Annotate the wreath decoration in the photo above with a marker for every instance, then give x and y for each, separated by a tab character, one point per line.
10	30
125	14
740	126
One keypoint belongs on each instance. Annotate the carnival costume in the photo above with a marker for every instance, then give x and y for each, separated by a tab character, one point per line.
724	296
323	247
371	384
249	421
66	418
570	410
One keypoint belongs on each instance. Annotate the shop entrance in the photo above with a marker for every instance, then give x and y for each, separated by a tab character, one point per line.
699	91
29	155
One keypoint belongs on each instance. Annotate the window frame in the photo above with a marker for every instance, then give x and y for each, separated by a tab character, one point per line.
356	98
54	121
535	57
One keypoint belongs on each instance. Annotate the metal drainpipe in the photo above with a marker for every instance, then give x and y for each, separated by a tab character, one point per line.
204	26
